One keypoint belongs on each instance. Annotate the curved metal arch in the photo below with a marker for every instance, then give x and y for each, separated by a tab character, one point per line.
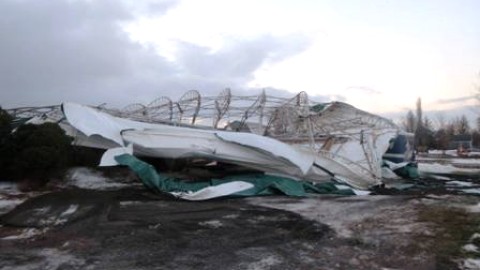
257	106
190	101
134	110
222	102
160	109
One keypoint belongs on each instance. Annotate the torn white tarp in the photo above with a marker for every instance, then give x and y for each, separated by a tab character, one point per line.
214	191
108	158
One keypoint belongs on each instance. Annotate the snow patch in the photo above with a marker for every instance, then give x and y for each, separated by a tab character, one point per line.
332	212
26	234
471	190
42	210
90	179
71	209
211	223
471	264
470	248
474	209
128	203
356	191
53	259
9	188
453	153
460	183
470	161
443	178
7	205
231	216
267	262
436	168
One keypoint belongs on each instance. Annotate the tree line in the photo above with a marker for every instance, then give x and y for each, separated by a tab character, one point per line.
439	136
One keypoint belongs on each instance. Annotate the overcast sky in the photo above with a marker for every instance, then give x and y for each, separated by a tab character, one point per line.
378	55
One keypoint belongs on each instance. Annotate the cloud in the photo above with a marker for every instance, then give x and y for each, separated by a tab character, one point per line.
57	50
456	100
235	62
54	51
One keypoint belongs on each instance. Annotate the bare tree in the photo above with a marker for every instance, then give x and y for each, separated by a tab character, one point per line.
461	125
427	123
409	122
441	121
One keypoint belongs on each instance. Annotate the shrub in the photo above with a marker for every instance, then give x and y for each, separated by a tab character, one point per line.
34	152
5	130
5	125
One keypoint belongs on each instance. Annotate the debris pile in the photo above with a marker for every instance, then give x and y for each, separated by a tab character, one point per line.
293	138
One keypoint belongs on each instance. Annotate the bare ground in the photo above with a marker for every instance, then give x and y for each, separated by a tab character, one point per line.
130	228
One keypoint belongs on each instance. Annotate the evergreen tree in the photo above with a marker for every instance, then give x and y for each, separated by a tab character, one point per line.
5	130
419	119
419	130
5	125
39	150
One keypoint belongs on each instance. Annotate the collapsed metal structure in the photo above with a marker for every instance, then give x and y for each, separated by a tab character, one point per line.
295	119
334	131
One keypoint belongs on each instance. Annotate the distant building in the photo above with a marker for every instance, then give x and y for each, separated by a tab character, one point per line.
464	141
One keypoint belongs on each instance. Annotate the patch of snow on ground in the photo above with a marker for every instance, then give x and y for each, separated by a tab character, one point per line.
9	188
212	223
65	214
42	210
55	219
453	153
473	154
471	190
332	212
465	160
71	209
356	191
25	234
475	235
460	183
50	259
439	177
267	262
127	203
471	264
436	168
10	196
474	209
470	248
7	205
90	179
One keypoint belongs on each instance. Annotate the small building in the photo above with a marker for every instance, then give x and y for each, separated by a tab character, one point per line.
463	141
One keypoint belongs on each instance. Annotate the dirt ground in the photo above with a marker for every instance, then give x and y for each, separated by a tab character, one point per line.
131	228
